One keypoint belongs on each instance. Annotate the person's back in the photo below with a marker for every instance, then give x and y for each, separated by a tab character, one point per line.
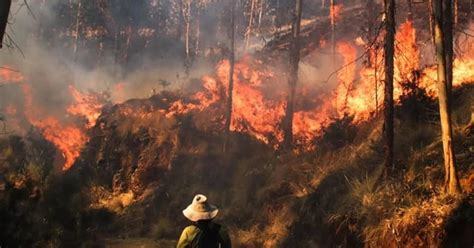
203	233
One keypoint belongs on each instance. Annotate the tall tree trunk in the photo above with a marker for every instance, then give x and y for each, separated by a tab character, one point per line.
230	90
388	99
448	42
186	9
376	81
372	57
128	42
198	29
430	7
179	28
260	15
293	78
77	28
117	44
333	31
370	27
249	28
278	17
471	4
451	179
4	13
456	13
112	27
410	11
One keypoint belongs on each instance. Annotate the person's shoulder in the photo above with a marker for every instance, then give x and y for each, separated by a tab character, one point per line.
190	229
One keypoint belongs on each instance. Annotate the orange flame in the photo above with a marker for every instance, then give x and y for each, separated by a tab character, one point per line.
119	92
9	75
358	92
69	139
260	117
87	106
345	77
334	13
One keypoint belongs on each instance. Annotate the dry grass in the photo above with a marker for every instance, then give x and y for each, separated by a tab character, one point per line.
414	226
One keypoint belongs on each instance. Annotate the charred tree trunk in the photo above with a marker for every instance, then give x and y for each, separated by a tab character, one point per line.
370	27
293	79
333	31
451	179
448	42
389	68
376	82
372	57
4	13
430	7
230	90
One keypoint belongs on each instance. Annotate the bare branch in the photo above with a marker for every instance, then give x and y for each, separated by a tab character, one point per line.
359	57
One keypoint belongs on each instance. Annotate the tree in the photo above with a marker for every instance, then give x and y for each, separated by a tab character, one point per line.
186	13
332	13
388	93
248	33
77	28
410	11
451	179
448	41
293	78
230	90
4	12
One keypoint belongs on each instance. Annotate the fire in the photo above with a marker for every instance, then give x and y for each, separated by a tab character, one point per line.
358	92
249	104
407	56
346	78
87	106
9	75
119	92
366	94
258	102
334	13
69	138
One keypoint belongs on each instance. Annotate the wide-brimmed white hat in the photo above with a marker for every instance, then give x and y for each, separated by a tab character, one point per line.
200	209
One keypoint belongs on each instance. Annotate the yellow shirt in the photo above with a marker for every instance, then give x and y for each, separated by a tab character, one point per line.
190	232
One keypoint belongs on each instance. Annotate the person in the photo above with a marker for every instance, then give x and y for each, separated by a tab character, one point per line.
204	232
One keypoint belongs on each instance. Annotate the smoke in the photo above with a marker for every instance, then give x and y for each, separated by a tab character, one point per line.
135	46
146	60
